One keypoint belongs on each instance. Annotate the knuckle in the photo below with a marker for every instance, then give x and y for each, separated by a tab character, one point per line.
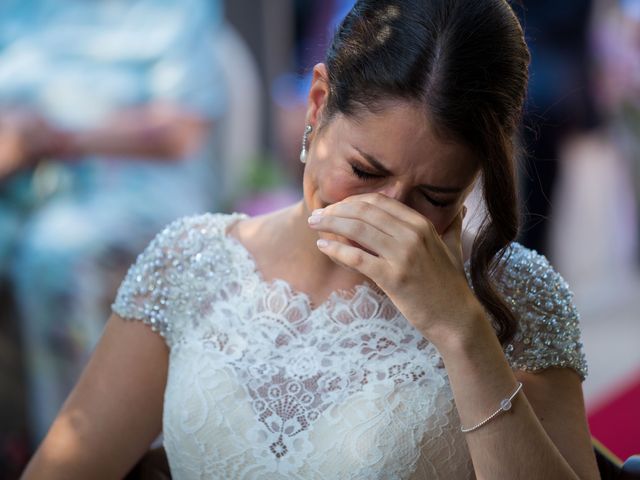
415	238
362	208
326	220
376	198
357	228
423	224
356	259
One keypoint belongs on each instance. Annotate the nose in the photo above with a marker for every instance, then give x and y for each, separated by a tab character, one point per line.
394	190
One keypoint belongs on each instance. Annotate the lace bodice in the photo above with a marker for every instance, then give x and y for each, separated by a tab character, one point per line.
263	386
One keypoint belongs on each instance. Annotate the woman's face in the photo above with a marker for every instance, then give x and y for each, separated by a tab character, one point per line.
394	152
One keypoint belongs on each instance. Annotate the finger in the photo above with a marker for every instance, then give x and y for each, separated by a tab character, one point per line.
417	227
354	229
452	236
370	213
392	206
351	257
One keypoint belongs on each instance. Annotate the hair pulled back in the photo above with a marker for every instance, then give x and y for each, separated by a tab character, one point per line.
466	62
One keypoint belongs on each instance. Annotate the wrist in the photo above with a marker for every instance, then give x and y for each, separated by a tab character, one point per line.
463	334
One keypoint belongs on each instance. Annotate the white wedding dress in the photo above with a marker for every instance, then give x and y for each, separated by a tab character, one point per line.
263	386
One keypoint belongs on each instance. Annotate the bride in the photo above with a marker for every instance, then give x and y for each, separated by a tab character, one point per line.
358	333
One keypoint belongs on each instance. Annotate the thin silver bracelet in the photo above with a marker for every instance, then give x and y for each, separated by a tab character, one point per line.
504	406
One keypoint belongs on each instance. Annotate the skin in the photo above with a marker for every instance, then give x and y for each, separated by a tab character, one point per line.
158	130
381	231
25	136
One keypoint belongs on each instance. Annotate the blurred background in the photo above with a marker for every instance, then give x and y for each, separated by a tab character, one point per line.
118	116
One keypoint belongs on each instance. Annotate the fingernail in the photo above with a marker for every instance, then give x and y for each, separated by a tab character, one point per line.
317	211
313	219
322	243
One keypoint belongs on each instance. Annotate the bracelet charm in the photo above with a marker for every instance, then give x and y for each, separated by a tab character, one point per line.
505	405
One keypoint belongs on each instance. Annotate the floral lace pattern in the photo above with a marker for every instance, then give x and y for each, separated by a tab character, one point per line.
263	386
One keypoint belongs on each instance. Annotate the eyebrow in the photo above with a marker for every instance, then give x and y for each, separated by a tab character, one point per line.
385	171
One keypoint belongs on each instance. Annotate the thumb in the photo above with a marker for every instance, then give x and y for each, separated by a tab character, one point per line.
452	236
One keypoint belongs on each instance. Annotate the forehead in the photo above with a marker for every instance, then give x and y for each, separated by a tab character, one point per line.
402	138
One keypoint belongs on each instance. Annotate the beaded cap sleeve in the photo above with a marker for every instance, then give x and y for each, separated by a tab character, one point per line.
158	288
548	333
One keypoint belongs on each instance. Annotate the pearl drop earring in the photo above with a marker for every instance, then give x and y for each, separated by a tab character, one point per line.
303	153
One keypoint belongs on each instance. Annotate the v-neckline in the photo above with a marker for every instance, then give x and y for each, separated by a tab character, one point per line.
345	296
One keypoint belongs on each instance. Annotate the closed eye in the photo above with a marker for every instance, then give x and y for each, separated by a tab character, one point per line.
362	174
434	202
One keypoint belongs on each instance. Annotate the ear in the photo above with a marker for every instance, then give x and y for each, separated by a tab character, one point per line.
318	95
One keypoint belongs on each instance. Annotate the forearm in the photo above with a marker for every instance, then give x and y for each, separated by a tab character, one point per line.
156	131
513	445
108	142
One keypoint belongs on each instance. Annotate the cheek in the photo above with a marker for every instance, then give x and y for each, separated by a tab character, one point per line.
336	187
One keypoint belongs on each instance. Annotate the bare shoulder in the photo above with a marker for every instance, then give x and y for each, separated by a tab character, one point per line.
115	410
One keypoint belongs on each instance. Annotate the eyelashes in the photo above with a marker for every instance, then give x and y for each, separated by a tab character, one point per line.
364	175
436	203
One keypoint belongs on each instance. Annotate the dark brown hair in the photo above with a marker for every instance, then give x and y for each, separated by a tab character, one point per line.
467	62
